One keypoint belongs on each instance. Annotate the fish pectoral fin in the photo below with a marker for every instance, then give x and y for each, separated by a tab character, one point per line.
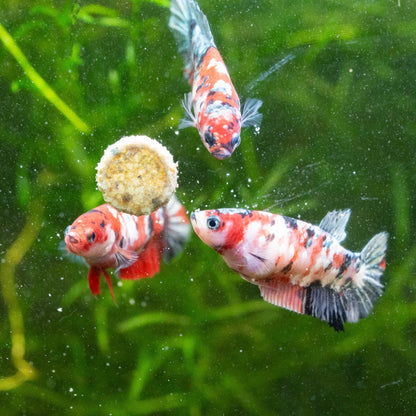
124	258
335	222
146	265
251	115
189	120
282	294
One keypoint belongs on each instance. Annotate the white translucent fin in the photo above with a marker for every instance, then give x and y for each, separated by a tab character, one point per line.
189	120
335	222
176	230
251	115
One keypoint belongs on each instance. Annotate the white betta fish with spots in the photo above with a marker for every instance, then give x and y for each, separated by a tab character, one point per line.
296	265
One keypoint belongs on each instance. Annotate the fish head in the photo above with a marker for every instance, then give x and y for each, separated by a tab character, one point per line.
221	229
89	236
221	134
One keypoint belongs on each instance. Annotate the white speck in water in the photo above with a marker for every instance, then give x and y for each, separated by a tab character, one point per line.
59	309
132	301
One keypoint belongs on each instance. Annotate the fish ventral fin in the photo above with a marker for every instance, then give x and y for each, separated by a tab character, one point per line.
251	115
147	263
334	223
189	120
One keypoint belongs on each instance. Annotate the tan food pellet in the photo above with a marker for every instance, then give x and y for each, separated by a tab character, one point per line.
137	175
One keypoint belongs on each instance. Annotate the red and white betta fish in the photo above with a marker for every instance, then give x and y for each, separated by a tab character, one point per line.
298	266
133	246
216	106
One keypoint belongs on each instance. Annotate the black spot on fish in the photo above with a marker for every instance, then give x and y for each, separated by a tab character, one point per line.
344	266
262	259
291	222
328	266
310	232
202	84
270	237
102	224
308	243
209	139
122	242
287	268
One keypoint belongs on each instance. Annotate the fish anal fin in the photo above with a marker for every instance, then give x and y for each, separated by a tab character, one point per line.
335	222
146	265
283	294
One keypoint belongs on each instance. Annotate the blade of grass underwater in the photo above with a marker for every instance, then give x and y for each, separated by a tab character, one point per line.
39	82
101	15
12	258
401	202
153	318
101	323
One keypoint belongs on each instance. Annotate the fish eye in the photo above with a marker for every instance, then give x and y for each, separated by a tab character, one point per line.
213	223
90	236
209	138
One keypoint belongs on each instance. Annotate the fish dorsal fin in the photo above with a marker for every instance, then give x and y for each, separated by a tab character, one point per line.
335	222
147	263
189	120
281	294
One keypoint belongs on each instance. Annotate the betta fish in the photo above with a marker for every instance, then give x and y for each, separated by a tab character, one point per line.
132	246
296	265
216	106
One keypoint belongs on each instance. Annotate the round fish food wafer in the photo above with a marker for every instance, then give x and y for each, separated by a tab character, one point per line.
137	175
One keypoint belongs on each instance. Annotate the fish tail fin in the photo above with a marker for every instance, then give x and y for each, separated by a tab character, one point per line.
190	29
361	295
176	229
251	115
353	301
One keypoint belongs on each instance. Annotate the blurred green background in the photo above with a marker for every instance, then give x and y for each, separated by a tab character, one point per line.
338	132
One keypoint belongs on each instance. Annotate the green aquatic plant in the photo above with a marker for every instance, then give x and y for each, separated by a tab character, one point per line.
337	132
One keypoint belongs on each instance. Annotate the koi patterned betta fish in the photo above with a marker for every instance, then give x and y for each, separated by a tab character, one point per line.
133	246
216	106
296	265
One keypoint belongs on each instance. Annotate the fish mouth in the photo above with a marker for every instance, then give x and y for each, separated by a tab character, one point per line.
71	238
222	152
